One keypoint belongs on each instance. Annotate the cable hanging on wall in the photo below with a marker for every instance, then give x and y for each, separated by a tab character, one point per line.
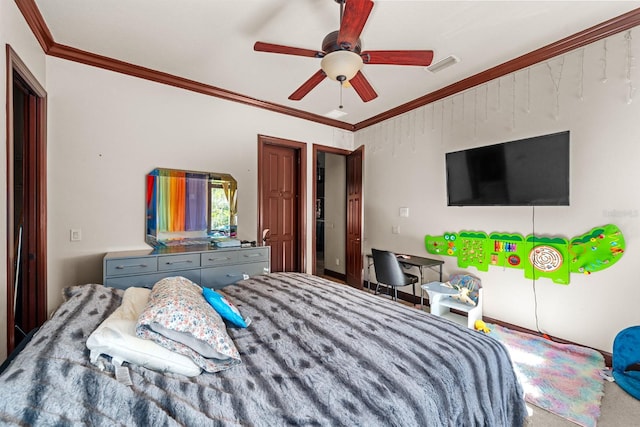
453	107
376	138
604	61
433	117
513	101
533	270
528	90
413	130
486	102
397	131
581	83
464	105
386	132
475	113
442	123
498	101
630	66
556	84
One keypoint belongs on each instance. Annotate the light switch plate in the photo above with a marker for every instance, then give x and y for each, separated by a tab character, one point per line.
404	212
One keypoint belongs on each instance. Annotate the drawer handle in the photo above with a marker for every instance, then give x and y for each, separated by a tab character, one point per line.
122	267
251	255
219	259
188	261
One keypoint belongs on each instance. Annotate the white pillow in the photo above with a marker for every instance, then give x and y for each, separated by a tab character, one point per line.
116	337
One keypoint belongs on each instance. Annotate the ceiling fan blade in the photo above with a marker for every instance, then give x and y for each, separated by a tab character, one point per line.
362	87
356	13
307	86
286	50
398	57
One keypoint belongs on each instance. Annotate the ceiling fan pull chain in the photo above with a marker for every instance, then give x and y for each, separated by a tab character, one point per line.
340	106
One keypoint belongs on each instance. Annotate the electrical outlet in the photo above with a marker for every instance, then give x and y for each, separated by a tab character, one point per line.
395	229
75	234
337	261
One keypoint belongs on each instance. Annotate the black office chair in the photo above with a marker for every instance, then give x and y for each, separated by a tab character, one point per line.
390	273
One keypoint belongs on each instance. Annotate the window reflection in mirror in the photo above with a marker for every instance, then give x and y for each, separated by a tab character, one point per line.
189	207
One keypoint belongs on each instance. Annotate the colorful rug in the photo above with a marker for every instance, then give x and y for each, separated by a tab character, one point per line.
561	378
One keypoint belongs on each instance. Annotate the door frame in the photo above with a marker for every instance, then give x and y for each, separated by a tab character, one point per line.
301	193
339	151
16	65
314	172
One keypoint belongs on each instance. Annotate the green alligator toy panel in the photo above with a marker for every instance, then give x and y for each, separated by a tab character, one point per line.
549	257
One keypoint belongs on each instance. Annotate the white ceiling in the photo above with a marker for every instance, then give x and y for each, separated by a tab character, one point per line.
211	41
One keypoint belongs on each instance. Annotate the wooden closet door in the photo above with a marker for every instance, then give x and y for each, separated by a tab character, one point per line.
354	218
280	204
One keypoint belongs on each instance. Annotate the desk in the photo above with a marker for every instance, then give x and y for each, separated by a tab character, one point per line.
412	262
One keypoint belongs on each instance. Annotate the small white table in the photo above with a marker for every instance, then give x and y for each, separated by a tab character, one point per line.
436	290
441	303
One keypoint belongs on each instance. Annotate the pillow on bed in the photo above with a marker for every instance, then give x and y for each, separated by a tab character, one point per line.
178	318
116	337
225	308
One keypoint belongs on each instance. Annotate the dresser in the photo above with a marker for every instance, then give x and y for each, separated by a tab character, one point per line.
209	267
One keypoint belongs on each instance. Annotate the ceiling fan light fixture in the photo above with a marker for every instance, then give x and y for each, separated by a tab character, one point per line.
341	65
335	114
443	63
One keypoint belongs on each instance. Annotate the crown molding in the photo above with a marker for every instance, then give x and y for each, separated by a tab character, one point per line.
597	32
76	55
38	26
34	19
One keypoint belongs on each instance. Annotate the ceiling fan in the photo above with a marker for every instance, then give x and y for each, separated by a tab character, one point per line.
342	55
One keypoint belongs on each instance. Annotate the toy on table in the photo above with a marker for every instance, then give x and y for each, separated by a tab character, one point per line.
462	295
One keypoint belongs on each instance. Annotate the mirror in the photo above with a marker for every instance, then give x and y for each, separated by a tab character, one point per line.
189	207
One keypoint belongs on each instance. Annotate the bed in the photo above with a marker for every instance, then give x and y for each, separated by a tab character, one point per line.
316	353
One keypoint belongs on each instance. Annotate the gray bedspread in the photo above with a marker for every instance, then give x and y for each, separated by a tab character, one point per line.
316	353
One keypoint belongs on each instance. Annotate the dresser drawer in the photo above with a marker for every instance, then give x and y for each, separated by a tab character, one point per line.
218	277
178	262
254	255
214	258
255	268
128	266
214	268
148	280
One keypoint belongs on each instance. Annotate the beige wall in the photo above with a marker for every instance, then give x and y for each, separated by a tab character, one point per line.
107	131
408	170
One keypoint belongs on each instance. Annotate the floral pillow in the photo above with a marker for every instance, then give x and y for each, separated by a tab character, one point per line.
177	317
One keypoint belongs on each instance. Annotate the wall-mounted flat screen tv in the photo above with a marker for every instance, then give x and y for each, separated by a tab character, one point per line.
526	172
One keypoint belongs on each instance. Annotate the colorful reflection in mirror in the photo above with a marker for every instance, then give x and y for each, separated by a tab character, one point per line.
189	207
